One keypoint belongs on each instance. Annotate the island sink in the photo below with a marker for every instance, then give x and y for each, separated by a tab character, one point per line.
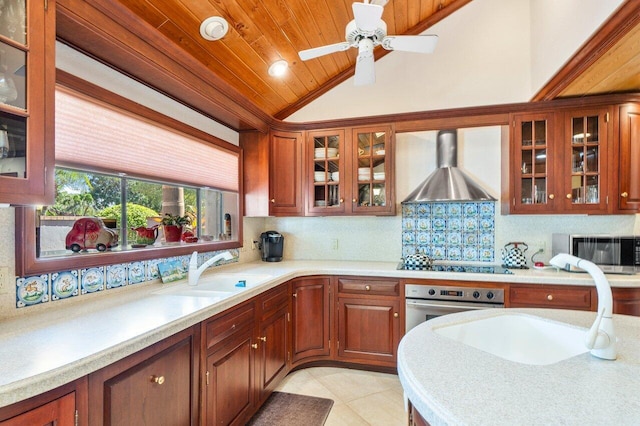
218	286
520	338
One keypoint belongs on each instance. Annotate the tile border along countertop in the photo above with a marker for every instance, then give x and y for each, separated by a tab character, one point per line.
449	382
44	350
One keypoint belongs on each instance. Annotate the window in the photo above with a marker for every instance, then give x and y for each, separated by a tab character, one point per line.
128	166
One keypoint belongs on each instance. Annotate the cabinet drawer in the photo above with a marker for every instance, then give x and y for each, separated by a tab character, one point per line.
274	300
368	286
551	297
228	324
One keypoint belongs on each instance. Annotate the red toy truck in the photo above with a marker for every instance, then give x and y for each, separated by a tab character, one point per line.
88	233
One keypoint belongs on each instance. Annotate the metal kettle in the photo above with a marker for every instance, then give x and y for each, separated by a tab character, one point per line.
513	257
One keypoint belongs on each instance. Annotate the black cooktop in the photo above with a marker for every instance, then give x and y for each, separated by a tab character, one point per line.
461	267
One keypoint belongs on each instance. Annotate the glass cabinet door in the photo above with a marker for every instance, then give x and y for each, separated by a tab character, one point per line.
326	192
27	78
585	143
532	162
371	174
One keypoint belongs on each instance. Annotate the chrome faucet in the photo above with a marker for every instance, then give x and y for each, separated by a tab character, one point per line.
601	337
195	272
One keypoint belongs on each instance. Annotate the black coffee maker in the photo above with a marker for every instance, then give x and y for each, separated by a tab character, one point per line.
272	245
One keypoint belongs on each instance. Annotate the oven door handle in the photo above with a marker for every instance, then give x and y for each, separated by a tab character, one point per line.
457	305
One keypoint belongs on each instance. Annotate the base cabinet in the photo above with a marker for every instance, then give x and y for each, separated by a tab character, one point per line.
59	412
155	386
310	320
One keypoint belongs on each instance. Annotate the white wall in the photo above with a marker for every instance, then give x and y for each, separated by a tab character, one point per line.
558	29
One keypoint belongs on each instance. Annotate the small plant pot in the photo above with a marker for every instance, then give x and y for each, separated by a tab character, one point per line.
172	233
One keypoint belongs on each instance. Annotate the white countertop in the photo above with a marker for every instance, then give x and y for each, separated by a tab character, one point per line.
451	383
44	350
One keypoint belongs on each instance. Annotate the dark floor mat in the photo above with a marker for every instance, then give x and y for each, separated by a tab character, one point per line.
288	409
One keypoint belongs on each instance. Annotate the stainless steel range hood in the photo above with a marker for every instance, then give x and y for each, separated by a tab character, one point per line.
448	182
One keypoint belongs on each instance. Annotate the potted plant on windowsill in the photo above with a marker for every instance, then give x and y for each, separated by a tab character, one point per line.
172	226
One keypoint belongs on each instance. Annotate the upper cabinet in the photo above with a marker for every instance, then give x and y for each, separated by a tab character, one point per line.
351	171
285	177
628	189
27	84
559	162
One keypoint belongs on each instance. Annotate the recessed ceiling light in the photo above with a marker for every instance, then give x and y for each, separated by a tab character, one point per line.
278	68
214	28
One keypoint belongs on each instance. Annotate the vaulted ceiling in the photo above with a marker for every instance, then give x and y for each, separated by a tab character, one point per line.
158	42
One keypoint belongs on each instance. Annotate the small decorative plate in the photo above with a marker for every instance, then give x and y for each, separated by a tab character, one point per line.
64	284
92	280
32	290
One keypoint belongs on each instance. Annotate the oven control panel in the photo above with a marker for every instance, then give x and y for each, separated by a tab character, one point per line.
463	294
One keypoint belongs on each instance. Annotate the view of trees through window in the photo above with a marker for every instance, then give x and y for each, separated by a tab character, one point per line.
87	194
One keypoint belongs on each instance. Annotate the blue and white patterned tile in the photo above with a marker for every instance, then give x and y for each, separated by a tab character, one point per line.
454	253
454	224
486	225
423	210
470	239
184	262
470	209
152	269
454	239
408	238
64	285
470	224
92	280
438	238
116	276
486	254
32	290
426	250
487	208
137	273
439	252
470	253
438	210
409	210
408	250
408	224
439	224
486	239
423	224
423	238
454	209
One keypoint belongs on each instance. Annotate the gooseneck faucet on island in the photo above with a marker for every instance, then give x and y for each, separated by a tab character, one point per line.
195	272
601	337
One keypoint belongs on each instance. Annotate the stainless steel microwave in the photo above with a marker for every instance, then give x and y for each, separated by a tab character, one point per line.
612	253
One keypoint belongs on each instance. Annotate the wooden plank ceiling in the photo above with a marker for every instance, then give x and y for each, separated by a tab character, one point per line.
261	32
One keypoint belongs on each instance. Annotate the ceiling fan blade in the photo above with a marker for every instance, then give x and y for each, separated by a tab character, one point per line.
323	50
365	70
367	16
416	43
379	2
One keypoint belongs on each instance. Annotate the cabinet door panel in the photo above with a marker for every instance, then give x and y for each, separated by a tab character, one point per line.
629	186
274	351
310	323
285	178
155	392
60	412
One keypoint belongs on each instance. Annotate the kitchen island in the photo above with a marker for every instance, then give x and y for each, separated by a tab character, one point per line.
73	338
450	383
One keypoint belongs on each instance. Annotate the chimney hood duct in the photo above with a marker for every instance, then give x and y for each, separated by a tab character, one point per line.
448	182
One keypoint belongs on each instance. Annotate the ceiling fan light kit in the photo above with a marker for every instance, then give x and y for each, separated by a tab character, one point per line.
366	31
278	68
214	28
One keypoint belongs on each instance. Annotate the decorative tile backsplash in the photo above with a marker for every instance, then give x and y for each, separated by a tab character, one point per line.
63	285
450	231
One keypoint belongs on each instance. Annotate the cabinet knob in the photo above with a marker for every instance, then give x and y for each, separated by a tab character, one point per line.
624	194
273	200
551	196
341	200
355	200
396	315
549	296
157	379
568	196
254	345
264	338
367	287
295	294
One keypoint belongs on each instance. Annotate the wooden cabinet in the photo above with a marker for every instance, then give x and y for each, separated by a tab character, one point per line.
559	162
415	418
158	385
27	55
627	193
368	320
626	300
351	171
228	385
273	341
59	412
310	318
550	296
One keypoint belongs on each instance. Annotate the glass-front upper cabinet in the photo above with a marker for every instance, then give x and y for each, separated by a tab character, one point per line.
532	163
372	174
27	83
585	145
326	176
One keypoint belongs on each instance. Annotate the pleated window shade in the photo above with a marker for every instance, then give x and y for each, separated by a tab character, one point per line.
93	135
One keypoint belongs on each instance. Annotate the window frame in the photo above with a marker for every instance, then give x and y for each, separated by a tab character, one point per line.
27	262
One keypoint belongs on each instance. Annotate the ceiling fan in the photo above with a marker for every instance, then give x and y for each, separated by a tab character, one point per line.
366	31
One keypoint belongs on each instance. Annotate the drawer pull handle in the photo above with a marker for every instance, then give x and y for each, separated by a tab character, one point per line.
549	296
157	379
396	315
367	287
254	345
264	339
233	326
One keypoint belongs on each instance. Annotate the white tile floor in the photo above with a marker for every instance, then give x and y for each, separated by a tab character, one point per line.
359	397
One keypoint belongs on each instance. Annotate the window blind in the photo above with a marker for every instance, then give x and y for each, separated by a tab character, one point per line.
93	135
